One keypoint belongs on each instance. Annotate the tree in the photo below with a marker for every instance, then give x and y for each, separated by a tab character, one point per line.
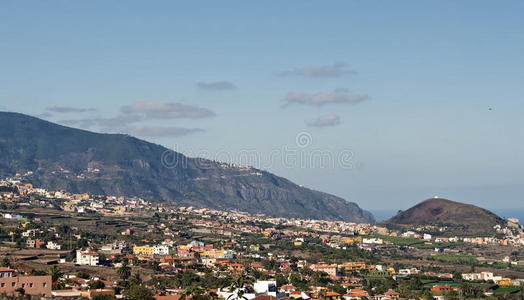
55	273
427	294
457	276
298	282
34	272
237	287
124	271
96	284
102	258
321	294
280	279
136	280
5	262
103	297
139	292
188	278
196	293
320	278
470	291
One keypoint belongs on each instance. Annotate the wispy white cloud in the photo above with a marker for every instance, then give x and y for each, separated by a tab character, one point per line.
125	124
82	123
118	122
323	121
69	109
216	85
131	115
171	110
335	70
161	131
324	98
45	115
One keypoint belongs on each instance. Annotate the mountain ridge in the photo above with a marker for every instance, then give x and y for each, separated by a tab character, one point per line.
76	160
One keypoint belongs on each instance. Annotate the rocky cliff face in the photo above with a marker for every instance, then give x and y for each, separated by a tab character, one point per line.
81	161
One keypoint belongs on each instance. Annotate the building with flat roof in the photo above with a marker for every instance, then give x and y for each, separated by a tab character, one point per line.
32	285
88	258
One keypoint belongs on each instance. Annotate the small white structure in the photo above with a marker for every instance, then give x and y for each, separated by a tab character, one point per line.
53	246
161	249
268	287
404	272
265	286
409	234
377	241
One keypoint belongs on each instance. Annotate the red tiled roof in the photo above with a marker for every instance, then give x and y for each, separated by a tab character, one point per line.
265	297
167	297
357	293
391	293
287	287
6	270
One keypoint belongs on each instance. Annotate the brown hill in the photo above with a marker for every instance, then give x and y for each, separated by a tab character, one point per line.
462	217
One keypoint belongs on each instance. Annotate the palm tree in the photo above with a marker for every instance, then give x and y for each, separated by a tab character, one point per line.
184	294
321	294
237	286
124	271
55	274
136	279
196	292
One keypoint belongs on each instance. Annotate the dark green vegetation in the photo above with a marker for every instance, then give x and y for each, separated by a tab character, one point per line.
59	158
459	217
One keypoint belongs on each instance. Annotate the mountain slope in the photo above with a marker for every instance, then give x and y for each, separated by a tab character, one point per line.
81	161
469	218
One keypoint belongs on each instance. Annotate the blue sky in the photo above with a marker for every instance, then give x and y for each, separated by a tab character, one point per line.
426	96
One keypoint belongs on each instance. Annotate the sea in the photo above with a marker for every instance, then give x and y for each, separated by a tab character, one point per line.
384	214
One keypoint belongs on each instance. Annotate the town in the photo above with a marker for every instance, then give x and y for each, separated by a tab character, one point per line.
261	150
57	244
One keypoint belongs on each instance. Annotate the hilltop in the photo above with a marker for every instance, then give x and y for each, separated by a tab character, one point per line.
437	211
80	161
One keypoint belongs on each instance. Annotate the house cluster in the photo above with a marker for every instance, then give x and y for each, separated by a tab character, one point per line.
489	276
229	222
16	191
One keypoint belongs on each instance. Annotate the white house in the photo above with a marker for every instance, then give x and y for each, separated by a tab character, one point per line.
261	288
267	287
479	276
372	241
53	246
409	234
89	258
161	250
